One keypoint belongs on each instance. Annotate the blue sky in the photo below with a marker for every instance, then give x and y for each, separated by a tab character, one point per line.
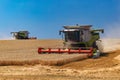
44	18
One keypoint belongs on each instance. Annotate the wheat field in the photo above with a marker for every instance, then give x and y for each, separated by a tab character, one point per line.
21	52
15	54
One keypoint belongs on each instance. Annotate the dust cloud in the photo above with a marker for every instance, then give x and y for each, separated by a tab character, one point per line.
4	36
113	31
110	44
111	40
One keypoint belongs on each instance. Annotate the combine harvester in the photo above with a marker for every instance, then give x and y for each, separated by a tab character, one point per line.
78	39
22	35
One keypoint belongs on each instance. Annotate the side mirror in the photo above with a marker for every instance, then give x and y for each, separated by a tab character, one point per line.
60	32
102	31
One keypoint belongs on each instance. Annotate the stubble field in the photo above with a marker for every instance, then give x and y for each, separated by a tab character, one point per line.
22	62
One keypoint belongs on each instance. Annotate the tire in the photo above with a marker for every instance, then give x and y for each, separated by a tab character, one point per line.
99	45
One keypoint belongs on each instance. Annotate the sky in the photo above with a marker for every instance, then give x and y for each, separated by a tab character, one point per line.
44	18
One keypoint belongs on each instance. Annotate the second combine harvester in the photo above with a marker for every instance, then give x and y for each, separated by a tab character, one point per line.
78	39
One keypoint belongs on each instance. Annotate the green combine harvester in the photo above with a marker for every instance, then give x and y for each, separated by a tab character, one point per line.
22	35
79	39
82	36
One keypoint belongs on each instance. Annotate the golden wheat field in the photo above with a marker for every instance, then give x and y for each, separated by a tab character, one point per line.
19	60
20	52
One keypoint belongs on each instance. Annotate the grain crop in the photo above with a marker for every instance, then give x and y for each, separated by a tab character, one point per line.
22	52
107	67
